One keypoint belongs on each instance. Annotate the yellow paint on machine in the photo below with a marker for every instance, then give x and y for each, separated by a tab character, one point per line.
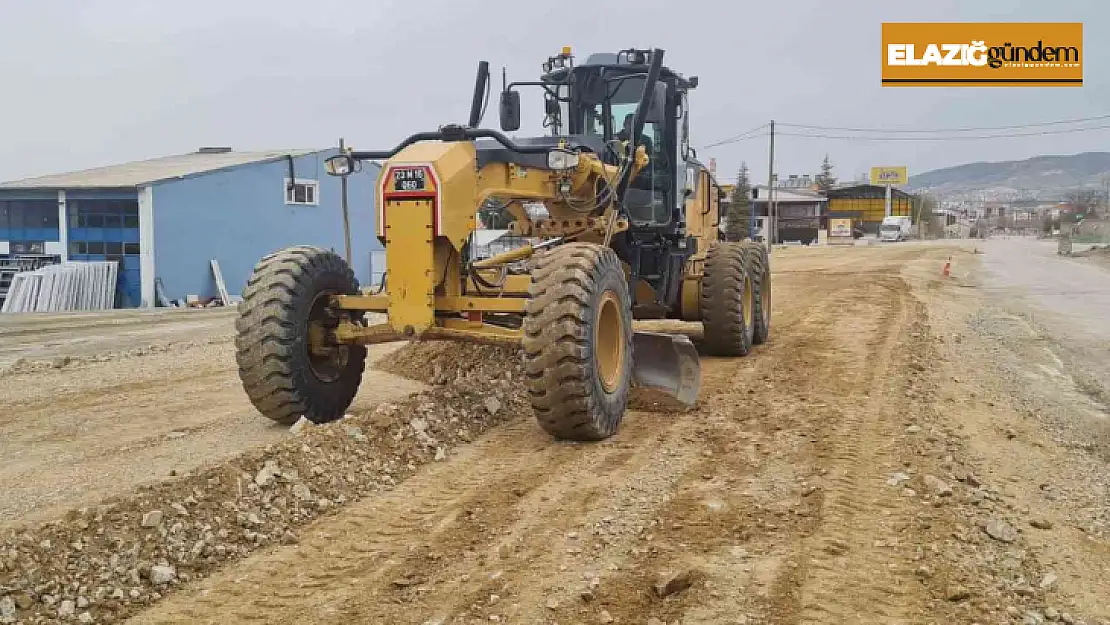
411	280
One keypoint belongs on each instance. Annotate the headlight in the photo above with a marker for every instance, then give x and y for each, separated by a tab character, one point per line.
338	165
562	159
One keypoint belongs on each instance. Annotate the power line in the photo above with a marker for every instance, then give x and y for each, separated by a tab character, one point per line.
740	137
961	138
959	129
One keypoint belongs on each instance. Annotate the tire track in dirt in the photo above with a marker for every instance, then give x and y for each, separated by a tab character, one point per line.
849	566
784	518
721	511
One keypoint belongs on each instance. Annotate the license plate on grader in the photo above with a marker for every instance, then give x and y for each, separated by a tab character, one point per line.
628	234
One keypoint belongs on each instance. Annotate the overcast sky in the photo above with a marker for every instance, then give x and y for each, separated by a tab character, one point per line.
97	82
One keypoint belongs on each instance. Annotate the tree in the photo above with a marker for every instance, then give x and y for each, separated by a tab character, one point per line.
738	218
930	221
825	179
494	216
1086	202
1047	226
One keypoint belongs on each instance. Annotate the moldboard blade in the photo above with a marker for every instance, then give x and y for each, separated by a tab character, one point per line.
667	362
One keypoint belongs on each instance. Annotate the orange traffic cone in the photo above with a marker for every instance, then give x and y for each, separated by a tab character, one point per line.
948	267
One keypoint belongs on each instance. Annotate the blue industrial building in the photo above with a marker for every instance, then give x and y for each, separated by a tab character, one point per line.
165	219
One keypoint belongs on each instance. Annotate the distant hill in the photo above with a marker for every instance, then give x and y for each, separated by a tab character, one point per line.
1040	173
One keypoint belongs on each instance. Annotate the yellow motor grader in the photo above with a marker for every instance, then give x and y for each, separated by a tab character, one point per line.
623	224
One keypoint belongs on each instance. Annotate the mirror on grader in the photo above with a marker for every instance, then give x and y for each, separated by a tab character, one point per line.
626	235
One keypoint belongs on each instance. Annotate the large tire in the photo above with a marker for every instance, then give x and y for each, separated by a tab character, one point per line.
578	342
283	378
726	309
759	269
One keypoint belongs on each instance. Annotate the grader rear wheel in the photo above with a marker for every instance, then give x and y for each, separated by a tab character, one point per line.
727	307
759	268
578	342
285	363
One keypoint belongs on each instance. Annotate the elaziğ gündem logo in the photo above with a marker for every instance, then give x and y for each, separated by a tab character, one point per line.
994	54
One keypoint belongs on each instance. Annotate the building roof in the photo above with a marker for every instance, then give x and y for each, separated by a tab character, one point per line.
152	170
865	191
483	237
788	196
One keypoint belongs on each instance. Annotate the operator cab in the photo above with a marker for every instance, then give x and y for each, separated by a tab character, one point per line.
592	106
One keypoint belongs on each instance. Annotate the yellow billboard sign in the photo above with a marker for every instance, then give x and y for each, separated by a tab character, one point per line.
895	176
990	54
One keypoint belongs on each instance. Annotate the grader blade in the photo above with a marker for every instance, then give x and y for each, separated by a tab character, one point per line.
667	362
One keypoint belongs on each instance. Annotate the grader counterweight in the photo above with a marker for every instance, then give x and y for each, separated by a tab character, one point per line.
628	229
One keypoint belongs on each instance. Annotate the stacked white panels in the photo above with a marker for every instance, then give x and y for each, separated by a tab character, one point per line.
65	287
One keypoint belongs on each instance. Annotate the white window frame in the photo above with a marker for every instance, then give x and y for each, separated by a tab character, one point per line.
290	194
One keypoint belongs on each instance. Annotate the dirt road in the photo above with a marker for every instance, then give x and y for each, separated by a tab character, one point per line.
95	404
770	500
908	448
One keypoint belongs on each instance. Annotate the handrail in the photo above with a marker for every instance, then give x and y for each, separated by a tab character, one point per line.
452	133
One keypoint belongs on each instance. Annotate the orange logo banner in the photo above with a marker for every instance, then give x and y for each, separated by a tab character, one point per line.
982	55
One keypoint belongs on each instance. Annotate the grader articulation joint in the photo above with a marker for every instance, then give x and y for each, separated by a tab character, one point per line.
625	226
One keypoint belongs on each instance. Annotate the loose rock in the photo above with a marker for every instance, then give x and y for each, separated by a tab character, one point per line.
671	583
1041	523
302	492
162	574
938	486
493	405
7	609
355	432
1000	531
299	426
267	473
67	609
152	518
958	593
896	479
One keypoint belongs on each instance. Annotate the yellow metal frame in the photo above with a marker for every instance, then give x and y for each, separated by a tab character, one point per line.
428	293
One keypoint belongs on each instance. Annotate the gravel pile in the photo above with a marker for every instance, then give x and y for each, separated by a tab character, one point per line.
981	560
973	556
101	564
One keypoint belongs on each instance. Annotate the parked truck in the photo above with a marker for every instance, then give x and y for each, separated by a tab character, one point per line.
895	228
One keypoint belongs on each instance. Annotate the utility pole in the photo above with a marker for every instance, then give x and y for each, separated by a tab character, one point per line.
346	216
772	222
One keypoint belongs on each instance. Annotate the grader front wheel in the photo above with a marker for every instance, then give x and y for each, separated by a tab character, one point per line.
286	365
578	342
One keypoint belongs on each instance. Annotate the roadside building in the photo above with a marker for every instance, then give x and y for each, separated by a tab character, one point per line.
865	205
164	219
801	212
